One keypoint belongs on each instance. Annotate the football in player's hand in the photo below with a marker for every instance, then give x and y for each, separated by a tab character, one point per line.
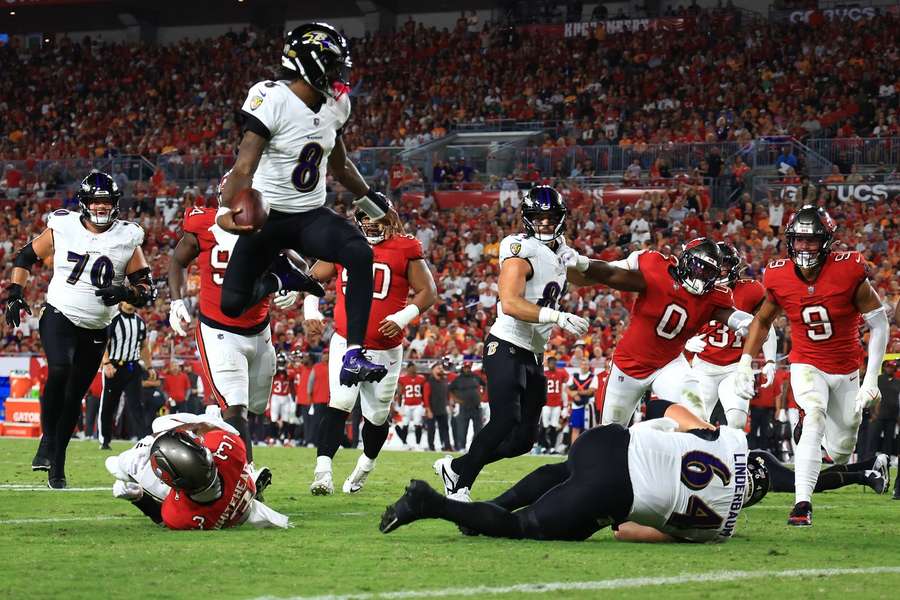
254	210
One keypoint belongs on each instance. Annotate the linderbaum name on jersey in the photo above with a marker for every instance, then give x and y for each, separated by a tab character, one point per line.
544	288
291	171
84	262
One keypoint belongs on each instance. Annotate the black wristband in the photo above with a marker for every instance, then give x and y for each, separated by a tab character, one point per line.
14	290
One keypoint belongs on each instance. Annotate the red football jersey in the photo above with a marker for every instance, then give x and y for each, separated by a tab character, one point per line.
215	250
663	317
824	321
414	390
556	380
238	489
281	384
390	291
724	346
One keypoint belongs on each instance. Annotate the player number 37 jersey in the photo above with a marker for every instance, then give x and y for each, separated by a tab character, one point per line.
544	288
84	262
688	486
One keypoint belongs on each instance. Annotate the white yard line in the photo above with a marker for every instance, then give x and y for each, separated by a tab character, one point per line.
66	519
18	487
608	584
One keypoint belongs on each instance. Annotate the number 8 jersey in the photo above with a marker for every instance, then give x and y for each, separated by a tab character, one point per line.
544	288
291	171
84	262
824	319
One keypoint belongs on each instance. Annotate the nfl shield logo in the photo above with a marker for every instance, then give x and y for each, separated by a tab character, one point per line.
316	121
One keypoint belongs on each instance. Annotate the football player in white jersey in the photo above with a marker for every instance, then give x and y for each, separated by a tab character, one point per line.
671	478
292	138
532	279
92	254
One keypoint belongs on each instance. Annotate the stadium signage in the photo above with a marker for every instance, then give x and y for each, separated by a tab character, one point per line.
858	192
590	28
852	13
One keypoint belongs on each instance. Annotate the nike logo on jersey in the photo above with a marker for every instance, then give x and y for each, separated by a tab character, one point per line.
98	341
853	378
393	362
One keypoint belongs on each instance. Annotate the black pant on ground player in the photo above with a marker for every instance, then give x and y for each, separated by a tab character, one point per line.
559	501
319	233
517	391
73	356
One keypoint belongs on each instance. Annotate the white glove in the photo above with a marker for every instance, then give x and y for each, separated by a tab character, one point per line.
867	395
311	310
286	299
572	260
768	372
569	322
179	316
696	344
743	379
127	491
782	416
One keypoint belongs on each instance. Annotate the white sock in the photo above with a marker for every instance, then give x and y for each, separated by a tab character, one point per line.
365	463
353	346
808	458
323	464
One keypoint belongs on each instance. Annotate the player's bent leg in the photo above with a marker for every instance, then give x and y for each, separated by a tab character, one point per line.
621	396
523	436
811	393
842	421
678	382
250	259
532	486
736	408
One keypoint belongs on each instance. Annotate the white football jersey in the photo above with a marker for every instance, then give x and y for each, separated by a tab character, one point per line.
686	486
84	262
291	171
545	287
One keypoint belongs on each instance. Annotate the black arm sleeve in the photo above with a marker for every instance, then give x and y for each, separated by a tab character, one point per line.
251	123
26	257
151	507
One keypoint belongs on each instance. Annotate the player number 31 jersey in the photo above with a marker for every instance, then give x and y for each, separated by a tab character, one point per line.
544	288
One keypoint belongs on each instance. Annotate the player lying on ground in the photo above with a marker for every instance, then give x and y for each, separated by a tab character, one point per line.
873	473
192	473
652	483
823	294
400	268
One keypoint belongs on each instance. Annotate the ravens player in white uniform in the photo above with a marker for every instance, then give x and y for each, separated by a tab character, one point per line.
532	279
92	254
292	138
671	478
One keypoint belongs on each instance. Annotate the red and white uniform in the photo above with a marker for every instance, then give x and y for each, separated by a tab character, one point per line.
649	356
236	354
825	353
238	489
390	294
414	395
714	368
556	386
282	407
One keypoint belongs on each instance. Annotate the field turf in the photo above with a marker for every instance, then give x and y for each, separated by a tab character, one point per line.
85	544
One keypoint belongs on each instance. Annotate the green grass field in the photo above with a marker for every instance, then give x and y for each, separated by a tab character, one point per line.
85	544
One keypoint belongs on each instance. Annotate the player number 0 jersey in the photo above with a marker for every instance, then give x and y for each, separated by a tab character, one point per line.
84	262
546	286
291	171
687	486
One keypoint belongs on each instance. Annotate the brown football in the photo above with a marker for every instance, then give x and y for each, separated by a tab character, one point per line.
254	210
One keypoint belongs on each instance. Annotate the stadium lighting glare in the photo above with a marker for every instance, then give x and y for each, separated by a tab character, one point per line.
12	13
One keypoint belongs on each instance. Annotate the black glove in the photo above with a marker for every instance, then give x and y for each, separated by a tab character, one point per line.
114	294
14	304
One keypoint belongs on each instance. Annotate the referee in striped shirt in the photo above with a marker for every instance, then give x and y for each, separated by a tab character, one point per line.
126	357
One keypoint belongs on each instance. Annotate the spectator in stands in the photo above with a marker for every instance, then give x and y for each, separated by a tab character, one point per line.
177	387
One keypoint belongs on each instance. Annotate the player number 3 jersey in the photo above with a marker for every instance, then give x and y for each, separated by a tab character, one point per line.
544	288
84	262
291	171
687	486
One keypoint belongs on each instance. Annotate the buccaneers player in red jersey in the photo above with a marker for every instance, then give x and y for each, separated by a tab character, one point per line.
414	393
823	294
675	299
400	268
236	352
553	411
718	349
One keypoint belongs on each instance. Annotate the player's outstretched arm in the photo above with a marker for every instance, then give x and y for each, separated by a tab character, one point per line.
240	177
38	249
622	275
758	331
373	203
421	282
322	272
868	303
632	532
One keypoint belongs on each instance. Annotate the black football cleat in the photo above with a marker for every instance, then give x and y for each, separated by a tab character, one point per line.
105	447
263	480
40	463
875	480
801	515
357	368
410	507
294	278
883	466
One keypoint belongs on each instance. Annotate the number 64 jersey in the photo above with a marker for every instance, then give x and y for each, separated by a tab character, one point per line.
544	288
824	319
84	262
688	485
